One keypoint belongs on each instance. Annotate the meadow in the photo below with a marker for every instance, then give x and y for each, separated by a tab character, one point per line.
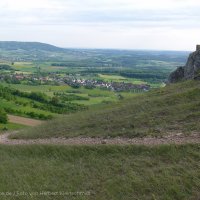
102	172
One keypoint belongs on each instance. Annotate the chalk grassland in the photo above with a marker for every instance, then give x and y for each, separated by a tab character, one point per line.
168	110
101	173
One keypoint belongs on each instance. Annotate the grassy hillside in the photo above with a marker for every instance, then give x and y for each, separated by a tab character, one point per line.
100	173
172	109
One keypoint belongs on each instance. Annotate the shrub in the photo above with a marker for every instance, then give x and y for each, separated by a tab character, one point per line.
3	117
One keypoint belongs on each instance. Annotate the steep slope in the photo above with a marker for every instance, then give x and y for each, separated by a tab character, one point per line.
168	110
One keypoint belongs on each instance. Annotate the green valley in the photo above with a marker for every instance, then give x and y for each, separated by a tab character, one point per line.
168	110
97	124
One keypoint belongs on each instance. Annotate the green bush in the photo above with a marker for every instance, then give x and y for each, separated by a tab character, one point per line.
3	117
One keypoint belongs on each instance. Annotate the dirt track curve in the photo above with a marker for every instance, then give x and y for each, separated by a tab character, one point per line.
149	141
23	120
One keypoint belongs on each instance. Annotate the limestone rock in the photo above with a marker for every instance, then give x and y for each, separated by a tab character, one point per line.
177	75
190	71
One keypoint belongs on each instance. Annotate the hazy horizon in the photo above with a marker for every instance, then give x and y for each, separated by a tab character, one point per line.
111	24
91	48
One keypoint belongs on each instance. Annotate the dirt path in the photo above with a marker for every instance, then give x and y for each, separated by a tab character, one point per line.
150	141
23	120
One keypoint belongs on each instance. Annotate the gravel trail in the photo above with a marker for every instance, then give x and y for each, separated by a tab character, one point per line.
149	141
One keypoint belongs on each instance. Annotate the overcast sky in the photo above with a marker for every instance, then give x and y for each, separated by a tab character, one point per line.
124	24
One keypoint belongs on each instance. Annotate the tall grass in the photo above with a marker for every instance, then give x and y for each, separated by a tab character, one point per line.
100	173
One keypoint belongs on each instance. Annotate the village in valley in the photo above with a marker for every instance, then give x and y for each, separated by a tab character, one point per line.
73	80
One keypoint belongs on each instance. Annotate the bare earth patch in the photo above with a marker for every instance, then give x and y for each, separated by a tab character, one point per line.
149	141
23	120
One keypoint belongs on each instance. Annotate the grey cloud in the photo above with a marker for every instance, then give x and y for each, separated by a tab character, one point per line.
71	13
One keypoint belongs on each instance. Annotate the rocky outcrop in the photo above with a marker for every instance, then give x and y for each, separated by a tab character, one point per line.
190	71
177	75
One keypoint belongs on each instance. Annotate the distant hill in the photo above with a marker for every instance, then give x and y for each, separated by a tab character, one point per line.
31	51
142	64
28	46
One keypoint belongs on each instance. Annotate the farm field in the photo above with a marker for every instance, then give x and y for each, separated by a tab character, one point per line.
120	79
